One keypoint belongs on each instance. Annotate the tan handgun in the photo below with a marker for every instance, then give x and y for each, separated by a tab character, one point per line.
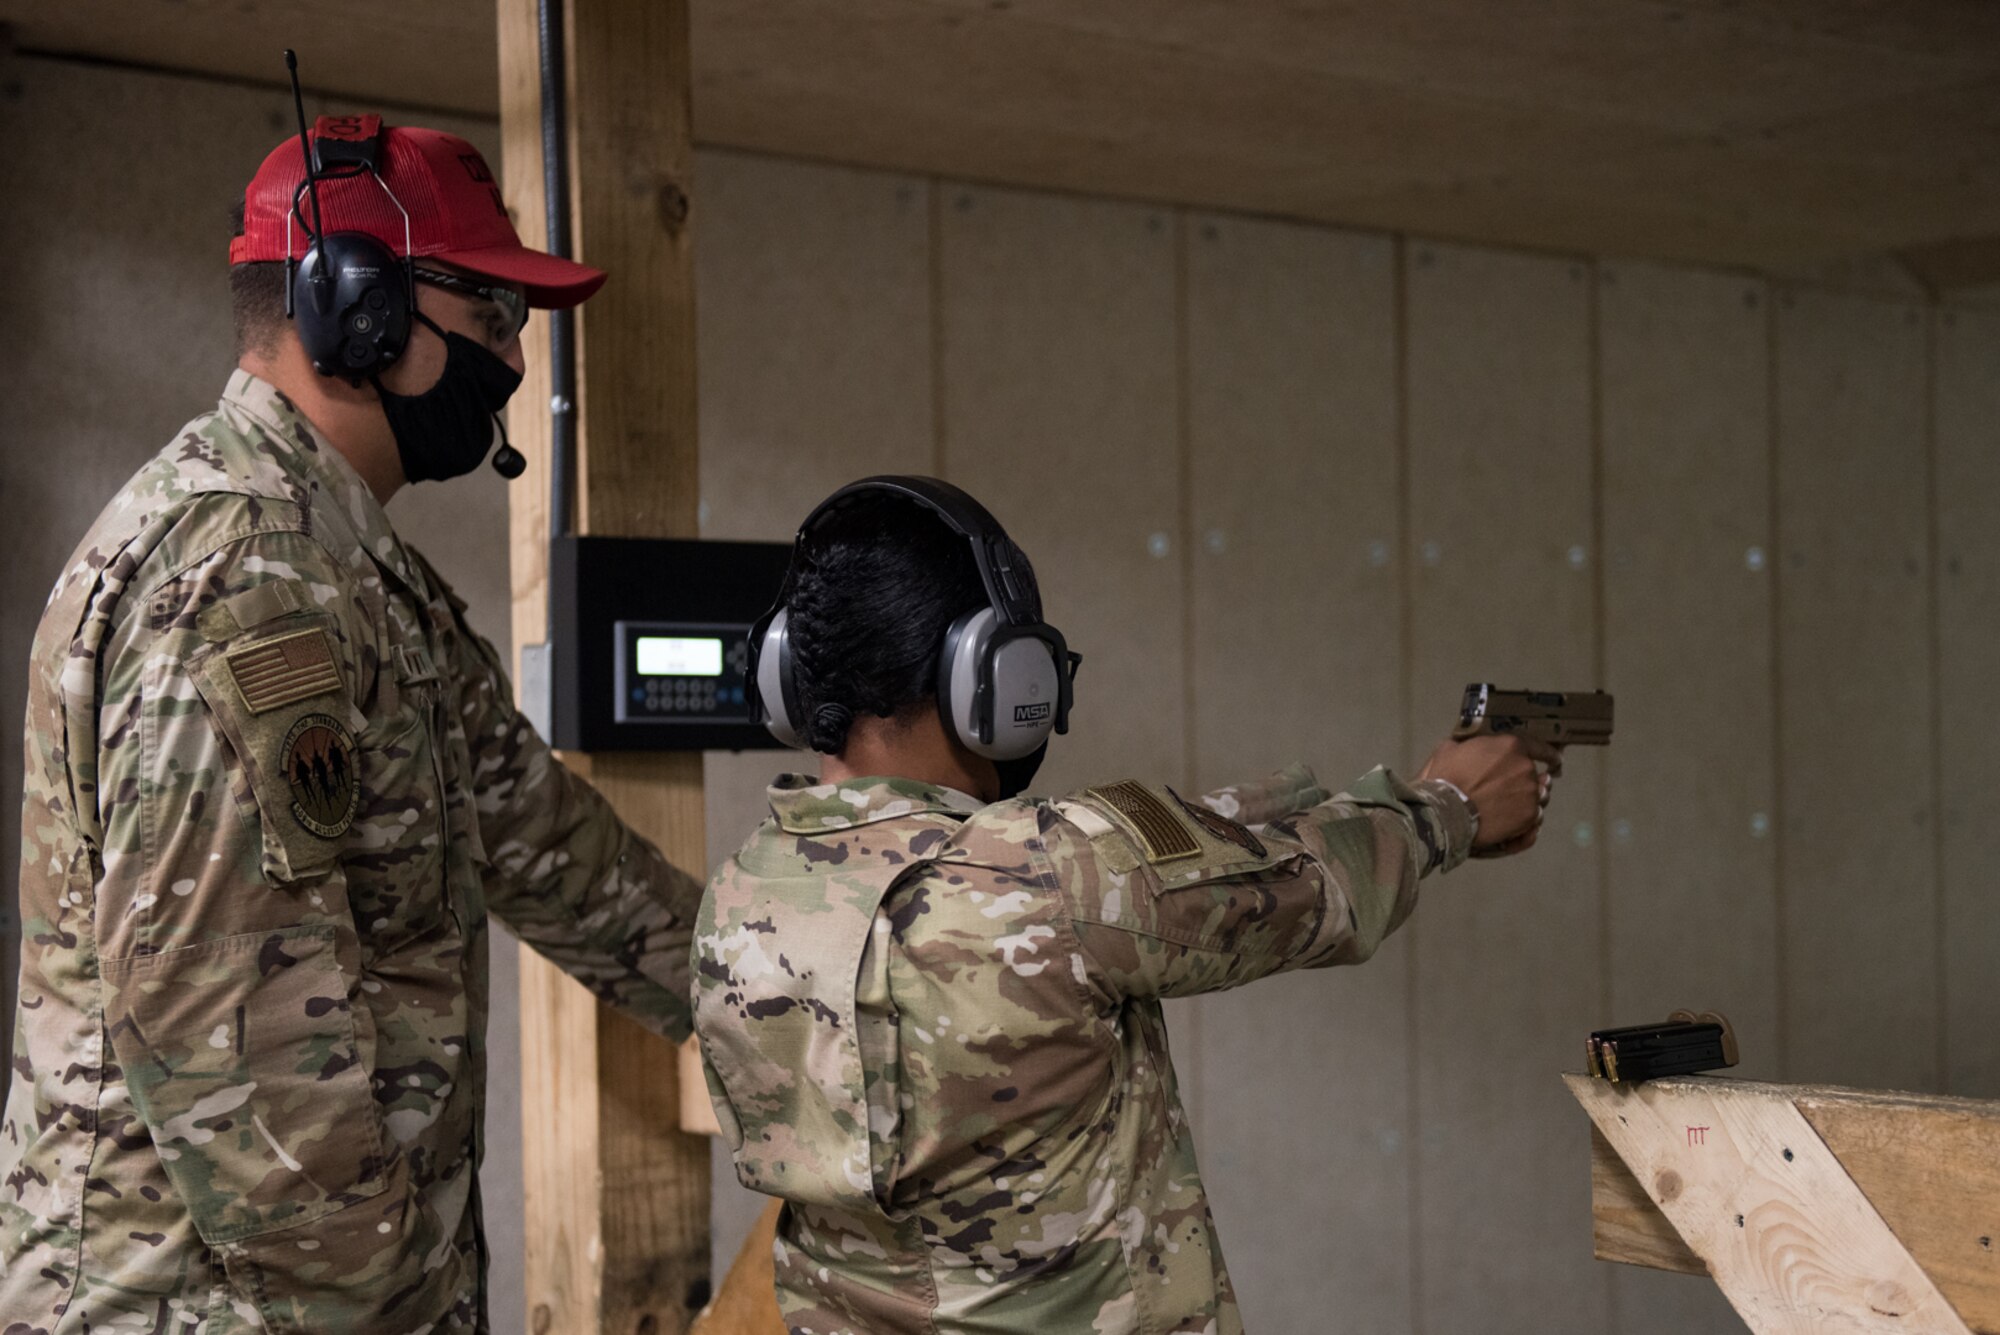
1562	718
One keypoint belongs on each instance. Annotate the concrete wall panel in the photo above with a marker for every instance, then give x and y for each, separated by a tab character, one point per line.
1057	347
1508	972
1690	854
1968	638
1859	893
1297	655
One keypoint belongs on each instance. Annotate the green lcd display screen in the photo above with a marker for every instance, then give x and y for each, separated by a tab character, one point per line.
679	656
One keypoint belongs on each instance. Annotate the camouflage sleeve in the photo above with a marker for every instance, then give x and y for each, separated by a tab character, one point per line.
1172	898
226	776
1291	790
567	875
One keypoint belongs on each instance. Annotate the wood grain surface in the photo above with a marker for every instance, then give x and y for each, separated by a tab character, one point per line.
1746	132
1927	1165
1787	1234
617	1197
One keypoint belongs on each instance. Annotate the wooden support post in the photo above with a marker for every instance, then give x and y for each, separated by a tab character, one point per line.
617	1195
1813	1208
747	1303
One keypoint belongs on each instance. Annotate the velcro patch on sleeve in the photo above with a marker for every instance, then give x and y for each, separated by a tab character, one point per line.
1163	835
1222	827
284	669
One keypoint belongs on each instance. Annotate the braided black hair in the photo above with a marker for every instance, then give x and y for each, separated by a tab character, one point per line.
876	587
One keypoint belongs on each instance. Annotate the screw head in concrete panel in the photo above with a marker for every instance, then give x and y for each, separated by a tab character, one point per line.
1158	545
1760	825
1621	831
1216	541
1578	557
1753	559
1583	834
1378	553
1432	553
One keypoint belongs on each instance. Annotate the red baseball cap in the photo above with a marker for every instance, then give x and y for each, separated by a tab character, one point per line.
456	213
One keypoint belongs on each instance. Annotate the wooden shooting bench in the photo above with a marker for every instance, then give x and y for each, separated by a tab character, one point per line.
1813	1208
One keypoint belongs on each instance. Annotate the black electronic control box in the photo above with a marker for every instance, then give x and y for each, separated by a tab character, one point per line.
651	648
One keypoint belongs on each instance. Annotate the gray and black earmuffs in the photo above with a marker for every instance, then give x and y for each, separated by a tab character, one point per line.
1004	675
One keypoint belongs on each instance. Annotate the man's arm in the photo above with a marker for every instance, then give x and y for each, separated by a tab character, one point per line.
1172	898
228	953
568	876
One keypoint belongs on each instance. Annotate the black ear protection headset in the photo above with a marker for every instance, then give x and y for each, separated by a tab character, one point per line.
1004	677
351	300
350	297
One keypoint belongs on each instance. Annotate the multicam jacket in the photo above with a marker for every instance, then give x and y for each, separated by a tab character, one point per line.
934	1029
273	784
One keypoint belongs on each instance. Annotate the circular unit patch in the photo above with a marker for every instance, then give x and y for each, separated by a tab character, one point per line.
318	756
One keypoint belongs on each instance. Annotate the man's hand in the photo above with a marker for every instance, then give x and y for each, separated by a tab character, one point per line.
1504	778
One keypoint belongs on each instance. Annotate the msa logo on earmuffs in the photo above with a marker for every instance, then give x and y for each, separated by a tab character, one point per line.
1004	677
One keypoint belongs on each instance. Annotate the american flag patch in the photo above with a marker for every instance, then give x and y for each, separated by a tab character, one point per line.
1161	833
275	672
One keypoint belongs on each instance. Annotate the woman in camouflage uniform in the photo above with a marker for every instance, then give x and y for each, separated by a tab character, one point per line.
930	1010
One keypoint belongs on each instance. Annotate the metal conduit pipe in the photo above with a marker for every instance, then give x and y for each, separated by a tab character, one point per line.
562	324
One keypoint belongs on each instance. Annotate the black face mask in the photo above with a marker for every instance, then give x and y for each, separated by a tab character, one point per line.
1016	775
445	431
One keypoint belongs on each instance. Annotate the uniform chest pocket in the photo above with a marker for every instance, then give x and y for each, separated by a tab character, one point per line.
396	856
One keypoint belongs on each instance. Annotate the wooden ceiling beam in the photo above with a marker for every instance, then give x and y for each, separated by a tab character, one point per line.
1763	133
1643	62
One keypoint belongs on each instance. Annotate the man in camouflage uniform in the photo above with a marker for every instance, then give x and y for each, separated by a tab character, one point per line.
932	1022
274	783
